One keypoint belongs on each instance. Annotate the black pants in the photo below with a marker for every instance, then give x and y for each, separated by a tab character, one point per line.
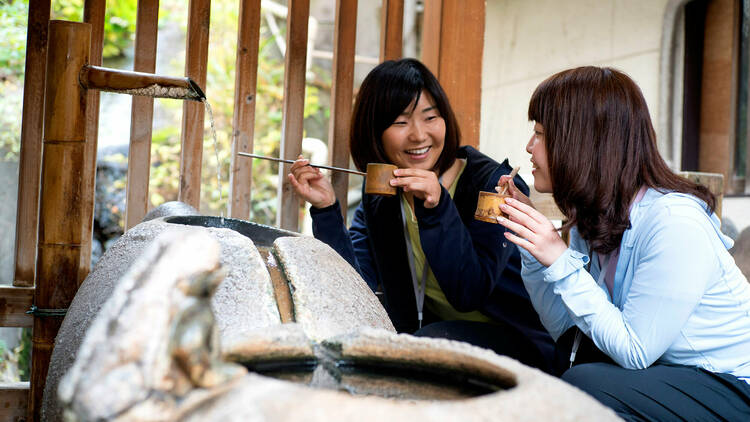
503	339
661	392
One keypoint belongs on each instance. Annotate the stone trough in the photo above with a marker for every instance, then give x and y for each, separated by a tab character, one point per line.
186	319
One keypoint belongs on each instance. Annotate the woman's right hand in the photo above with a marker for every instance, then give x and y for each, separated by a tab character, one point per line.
513	191
311	184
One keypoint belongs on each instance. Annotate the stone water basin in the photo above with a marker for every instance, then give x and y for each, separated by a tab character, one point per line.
334	356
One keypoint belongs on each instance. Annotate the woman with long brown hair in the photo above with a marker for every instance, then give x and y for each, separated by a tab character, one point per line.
646	291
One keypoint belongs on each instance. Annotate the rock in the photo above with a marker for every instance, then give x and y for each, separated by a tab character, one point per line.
245	296
164	295
330	297
170	208
531	395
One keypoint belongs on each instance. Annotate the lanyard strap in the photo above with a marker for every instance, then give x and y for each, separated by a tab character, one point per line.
419	287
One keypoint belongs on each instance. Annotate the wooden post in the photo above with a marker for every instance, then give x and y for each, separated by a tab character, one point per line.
27	208
719	90
196	65
61	203
93	14
287	215
341	96
392	30
452	45
243	122
141	115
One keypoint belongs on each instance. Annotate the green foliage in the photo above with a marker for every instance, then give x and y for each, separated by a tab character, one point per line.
13	21
119	22
11	100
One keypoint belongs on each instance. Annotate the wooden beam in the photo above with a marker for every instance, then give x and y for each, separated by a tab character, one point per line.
245	89
196	65
458	31
14	398
344	43
392	30
93	14
61	205
141	115
718	91
30	161
287	215
14	302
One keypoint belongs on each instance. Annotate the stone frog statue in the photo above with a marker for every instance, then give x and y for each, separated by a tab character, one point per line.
194	339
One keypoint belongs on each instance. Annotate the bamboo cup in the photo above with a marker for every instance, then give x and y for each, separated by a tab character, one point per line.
378	181
488	207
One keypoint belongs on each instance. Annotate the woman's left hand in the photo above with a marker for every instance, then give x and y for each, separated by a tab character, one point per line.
424	184
533	231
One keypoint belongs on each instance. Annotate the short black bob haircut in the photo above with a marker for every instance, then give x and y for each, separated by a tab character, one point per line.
384	94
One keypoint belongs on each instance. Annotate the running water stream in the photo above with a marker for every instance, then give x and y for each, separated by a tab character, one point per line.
216	154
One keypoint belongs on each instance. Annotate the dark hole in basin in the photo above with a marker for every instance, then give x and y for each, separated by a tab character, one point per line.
395	380
260	234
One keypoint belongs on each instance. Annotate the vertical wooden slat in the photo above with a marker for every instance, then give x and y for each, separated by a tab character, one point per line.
344	43
93	13
459	63
245	87
431	32
287	216
61	205
196	65
27	207
141	114
392	30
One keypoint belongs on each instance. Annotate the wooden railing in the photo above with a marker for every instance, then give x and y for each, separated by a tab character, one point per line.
464	48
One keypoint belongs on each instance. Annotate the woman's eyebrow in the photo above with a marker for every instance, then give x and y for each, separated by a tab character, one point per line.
430	108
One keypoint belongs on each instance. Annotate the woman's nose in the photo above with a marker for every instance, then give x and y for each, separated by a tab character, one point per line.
530	144
417	132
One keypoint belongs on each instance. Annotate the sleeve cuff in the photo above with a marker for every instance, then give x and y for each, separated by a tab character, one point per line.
334	207
568	263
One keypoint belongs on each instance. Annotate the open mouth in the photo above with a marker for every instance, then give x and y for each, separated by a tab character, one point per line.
418	151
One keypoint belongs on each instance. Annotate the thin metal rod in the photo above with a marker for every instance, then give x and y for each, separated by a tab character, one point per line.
281	160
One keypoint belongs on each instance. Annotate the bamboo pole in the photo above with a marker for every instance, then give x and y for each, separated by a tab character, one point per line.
196	63
138	83
392	30
29	164
245	88
61	201
287	215
141	115
341	96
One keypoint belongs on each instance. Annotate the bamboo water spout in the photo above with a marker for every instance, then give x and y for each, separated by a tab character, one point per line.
64	232
139	83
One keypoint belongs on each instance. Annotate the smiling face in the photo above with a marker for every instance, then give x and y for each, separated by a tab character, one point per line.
416	138
538	150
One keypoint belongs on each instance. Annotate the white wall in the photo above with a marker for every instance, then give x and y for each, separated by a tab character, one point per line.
527	41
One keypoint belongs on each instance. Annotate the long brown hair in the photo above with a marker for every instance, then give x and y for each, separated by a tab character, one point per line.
384	94
601	148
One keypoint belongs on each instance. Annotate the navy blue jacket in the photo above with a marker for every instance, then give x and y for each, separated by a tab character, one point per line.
476	267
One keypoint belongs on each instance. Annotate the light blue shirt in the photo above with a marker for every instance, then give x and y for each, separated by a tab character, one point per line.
678	295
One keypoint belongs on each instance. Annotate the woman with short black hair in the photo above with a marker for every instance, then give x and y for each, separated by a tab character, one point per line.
439	269
652	305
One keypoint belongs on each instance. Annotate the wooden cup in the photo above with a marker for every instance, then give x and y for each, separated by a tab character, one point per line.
488	207
378	179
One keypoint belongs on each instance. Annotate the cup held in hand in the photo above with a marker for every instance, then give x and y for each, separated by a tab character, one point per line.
488	207
378	179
